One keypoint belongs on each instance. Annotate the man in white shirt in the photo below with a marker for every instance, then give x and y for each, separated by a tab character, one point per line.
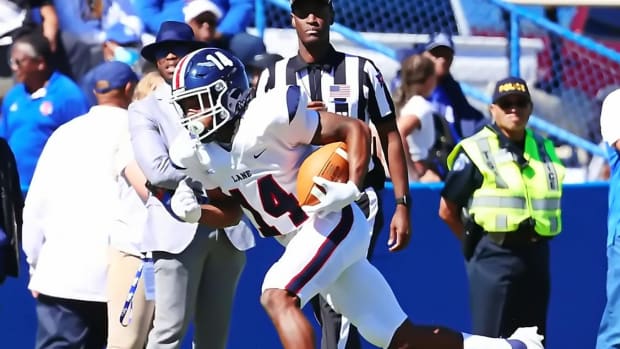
69	214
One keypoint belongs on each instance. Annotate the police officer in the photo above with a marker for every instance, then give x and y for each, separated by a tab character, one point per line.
502	199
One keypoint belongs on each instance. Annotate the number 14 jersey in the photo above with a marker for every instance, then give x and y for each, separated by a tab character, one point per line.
260	170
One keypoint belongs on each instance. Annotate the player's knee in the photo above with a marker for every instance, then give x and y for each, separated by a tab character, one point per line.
382	333
276	300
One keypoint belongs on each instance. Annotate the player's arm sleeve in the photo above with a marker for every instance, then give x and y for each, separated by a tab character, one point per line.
298	124
380	106
461	181
610	119
150	152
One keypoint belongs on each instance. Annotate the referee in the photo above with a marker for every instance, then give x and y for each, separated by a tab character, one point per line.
352	86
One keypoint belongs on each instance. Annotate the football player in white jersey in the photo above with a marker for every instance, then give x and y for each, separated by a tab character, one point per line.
249	151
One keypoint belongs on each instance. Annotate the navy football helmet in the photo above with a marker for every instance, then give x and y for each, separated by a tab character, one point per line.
217	81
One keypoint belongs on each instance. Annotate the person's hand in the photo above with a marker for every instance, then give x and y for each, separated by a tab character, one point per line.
317	105
185	205
35	294
337	196
400	229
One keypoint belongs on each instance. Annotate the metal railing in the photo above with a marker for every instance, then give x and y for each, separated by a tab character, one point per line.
516	12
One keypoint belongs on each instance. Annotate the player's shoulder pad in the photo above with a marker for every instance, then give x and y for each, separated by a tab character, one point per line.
293	95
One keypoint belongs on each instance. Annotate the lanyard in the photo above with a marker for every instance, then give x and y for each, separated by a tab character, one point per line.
127	310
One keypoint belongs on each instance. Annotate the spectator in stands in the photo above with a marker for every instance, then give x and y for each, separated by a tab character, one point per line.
352	86
203	16
417	122
43	100
130	315
236	14
84	28
508	182
16	15
609	330
69	213
448	98
11	204
196	268
121	45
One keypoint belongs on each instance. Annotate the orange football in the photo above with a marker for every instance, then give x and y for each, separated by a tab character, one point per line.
330	162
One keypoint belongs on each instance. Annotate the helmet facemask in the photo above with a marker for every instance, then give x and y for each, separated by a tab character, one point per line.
208	111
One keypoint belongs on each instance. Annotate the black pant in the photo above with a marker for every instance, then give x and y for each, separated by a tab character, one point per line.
70	324
330	320
509	287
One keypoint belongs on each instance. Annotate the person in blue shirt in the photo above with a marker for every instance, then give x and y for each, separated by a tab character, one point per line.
609	328
237	14
41	101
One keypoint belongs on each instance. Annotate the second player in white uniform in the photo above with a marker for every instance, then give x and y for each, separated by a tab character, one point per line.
252	153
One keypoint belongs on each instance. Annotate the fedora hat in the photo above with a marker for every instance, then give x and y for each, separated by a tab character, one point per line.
172	33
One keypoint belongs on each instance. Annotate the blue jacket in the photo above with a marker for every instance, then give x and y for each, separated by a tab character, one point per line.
237	14
448	93
11	205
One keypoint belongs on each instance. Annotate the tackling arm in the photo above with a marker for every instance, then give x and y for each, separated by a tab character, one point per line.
221	211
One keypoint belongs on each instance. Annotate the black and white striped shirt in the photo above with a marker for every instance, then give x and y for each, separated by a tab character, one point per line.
349	85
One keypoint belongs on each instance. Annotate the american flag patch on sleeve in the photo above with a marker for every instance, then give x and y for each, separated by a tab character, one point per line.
339	91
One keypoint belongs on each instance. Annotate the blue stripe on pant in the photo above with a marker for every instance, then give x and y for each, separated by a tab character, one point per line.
67	323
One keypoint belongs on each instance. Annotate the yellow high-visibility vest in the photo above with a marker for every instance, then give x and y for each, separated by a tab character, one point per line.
510	193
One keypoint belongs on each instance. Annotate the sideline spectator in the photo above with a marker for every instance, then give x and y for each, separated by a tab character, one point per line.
17	15
11	205
69	214
197	268
448	98
130	319
352	86
43	100
609	330
508	181
236	14
121	45
84	26
416	119
203	15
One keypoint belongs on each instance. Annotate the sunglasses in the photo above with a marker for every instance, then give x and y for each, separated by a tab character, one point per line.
18	62
163	51
520	103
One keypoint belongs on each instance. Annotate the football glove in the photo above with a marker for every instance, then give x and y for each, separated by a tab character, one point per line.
337	196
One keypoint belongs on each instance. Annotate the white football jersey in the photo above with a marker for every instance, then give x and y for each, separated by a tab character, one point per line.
261	169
